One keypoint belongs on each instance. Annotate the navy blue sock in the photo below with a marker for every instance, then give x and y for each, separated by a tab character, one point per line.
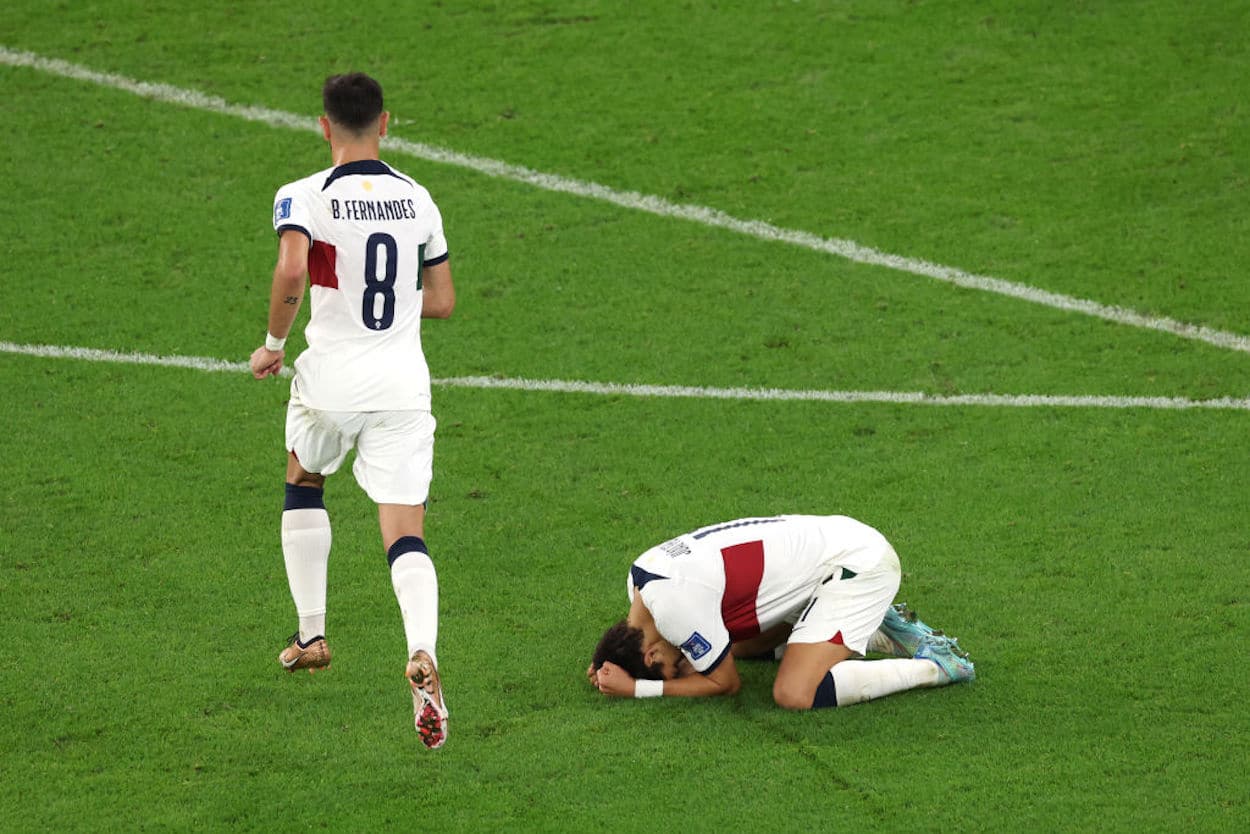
826	694
405	544
304	498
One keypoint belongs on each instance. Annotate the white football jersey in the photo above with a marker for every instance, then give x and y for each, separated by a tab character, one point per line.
370	229
730	581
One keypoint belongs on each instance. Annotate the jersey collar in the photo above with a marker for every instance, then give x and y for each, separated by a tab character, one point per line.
360	166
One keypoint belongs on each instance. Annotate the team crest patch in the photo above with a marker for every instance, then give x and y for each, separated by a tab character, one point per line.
696	646
281	210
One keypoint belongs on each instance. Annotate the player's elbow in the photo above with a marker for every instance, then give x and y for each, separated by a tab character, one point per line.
438	308
728	684
289	276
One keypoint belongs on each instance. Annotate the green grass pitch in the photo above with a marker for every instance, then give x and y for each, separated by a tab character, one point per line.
1092	559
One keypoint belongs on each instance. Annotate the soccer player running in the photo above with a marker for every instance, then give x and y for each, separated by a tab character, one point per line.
370	241
820	585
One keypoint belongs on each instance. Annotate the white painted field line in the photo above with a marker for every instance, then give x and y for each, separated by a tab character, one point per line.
848	249
195	363
200	363
783	394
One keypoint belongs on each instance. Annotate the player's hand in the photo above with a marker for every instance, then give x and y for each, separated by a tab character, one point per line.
266	362
614	681
592	675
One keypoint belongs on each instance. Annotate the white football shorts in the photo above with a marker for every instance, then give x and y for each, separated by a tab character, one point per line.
394	449
851	606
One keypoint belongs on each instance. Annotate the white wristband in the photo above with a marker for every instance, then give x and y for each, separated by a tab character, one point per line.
273	343
644	688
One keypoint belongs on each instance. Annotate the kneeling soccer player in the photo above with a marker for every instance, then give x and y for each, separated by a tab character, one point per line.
822	585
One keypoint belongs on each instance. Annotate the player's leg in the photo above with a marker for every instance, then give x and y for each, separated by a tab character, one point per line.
938	661
415	582
316	447
412	573
394	465
815	675
837	626
804	667
306	553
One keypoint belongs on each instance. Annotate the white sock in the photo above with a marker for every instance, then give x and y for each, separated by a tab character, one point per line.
416	589
855	681
306	551
878	643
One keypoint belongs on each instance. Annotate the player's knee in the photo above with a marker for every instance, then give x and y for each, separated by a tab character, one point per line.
791	694
309	479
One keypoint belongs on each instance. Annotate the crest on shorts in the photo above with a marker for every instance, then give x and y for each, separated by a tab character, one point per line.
281	210
696	646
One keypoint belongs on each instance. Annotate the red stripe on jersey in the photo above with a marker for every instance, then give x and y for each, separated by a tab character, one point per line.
744	569
321	266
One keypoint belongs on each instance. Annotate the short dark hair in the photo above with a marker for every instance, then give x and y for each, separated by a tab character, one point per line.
622	644
353	100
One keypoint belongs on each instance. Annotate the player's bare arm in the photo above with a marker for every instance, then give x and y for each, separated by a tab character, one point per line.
723	680
437	291
614	681
762	643
284	299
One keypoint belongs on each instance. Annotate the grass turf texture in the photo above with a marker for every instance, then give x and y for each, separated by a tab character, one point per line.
1090	559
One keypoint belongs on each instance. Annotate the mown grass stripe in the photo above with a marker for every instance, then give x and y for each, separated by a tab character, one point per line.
847	249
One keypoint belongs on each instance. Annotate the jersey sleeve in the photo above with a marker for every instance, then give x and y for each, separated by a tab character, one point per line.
688	616
292	210
436	244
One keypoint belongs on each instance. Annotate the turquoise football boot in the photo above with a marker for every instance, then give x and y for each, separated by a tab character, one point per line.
952	660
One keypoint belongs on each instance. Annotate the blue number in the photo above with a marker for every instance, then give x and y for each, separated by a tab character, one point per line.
380	286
